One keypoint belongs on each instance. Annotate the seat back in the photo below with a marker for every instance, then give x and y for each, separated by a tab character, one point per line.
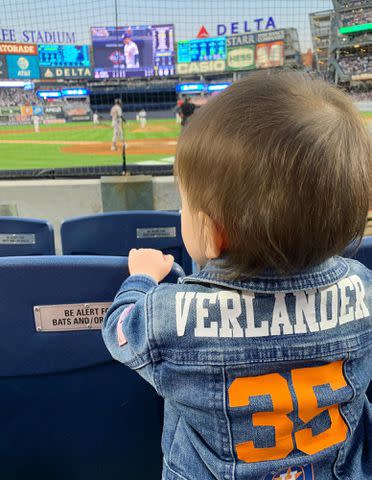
25	236
115	233
68	410
362	253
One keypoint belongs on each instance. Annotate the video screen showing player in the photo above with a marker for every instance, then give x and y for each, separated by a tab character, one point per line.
122	52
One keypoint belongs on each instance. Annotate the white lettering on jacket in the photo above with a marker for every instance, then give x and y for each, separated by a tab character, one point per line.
229	314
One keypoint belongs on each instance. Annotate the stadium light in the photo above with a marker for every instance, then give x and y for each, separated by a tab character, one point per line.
190	87
13	84
74	92
49	94
217	87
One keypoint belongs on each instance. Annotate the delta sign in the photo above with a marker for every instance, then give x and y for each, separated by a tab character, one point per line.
246	26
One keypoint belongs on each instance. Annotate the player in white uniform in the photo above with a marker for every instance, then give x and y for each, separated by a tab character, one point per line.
131	52
36	122
142	118
95	118
117	124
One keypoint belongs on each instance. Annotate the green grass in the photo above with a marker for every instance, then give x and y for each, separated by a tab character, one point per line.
14	157
366	114
30	156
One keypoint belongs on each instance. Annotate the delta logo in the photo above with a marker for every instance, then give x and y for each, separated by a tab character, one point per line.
293	473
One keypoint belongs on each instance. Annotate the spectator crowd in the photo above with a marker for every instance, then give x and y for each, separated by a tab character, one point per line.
13	97
356	64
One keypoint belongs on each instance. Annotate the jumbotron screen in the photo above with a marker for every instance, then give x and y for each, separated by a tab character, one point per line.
64	55
202	49
137	51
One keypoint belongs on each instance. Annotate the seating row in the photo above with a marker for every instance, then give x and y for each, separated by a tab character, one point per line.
101	234
115	233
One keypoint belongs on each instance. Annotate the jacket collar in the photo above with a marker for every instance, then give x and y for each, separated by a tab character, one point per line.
322	275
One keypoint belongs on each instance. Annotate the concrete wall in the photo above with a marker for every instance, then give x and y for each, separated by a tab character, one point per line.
57	200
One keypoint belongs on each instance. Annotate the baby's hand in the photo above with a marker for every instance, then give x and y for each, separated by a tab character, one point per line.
150	262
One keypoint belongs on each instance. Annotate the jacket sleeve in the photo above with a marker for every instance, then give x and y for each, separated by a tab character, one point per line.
126	325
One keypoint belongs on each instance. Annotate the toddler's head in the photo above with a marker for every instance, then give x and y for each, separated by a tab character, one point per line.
274	173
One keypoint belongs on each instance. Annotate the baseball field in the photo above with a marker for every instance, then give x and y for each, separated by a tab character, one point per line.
84	144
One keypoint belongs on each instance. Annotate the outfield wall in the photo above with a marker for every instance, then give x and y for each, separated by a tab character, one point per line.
57	200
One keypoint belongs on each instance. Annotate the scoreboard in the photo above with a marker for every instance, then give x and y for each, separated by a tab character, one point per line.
64	56
202	50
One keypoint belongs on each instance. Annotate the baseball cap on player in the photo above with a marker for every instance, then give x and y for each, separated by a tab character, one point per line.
126	35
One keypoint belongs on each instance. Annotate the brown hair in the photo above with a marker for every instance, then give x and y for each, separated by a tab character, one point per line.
281	163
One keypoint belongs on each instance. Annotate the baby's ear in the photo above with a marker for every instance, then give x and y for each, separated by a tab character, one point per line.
214	238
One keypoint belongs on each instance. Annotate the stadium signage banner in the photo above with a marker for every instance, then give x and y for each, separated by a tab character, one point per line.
23	66
27	110
65	72
3	67
241	58
270	55
7	111
245	26
17	49
272	36
53	109
260	37
201	67
37	110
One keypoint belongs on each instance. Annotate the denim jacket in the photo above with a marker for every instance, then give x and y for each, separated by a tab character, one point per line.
263	378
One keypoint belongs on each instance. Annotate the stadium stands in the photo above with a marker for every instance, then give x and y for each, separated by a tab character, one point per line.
356	64
14	97
116	233
356	18
68	410
25	236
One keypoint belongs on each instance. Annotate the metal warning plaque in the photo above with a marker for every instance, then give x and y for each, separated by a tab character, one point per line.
70	317
156	232
17	239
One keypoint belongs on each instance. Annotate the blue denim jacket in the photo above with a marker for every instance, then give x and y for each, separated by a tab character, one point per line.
263	378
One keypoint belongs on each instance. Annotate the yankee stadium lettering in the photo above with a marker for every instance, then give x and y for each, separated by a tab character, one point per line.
234	314
36	36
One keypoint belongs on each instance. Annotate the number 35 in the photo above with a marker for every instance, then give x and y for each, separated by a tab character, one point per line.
304	380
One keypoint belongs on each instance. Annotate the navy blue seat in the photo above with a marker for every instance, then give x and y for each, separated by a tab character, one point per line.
68	411
25	236
116	233
363	253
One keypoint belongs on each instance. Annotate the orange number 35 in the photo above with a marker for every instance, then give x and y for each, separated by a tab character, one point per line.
304	380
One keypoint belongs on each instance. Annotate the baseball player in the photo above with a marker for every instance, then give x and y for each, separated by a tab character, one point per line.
117	124
142	118
131	52
36	122
95	119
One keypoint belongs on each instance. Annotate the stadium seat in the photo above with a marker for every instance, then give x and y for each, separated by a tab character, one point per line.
68	410
116	233
25	236
363	253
